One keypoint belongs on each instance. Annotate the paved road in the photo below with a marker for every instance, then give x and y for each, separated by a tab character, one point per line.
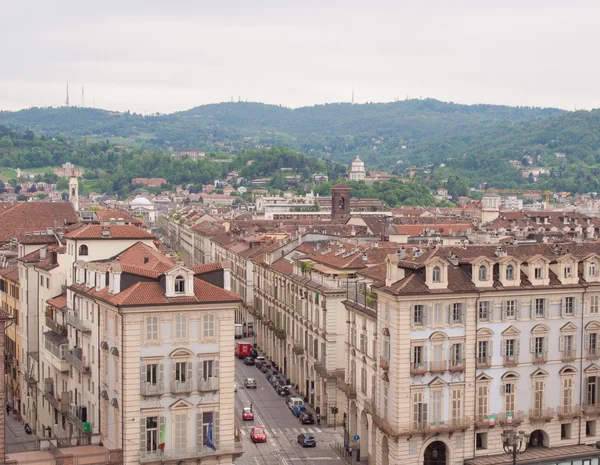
16	439
281	426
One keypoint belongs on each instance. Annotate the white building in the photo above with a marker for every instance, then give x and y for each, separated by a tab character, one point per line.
357	170
143	207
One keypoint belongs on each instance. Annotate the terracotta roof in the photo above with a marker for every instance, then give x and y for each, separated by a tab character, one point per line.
34	216
47	263
140	255
283	266
60	301
106	215
11	273
341	186
94	231
208	267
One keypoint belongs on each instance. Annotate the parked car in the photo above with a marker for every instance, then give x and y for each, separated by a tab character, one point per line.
265	367
298	409
258	434
293	401
306	418
250	383
284	390
307	440
247	414
254	353
248	361
259	361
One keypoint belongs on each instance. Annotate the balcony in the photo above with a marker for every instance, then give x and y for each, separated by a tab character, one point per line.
56	327
418	368
298	349
438	367
511	418
510	360
149	389
457	365
484	361
235	449
539	358
349	389
59	404
29	378
75	415
447	426
77	360
541	414
74	320
569	355
181	387
592	353
208	384
591	410
485	421
569	412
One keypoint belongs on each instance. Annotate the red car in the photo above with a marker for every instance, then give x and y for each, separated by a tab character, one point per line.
247	414
258	434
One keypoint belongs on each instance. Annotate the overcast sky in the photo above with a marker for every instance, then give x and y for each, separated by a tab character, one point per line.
165	56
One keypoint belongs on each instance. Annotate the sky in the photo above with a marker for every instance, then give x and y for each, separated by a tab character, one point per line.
163	56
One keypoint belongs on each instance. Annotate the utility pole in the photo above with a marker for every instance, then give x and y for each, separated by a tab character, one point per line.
67	100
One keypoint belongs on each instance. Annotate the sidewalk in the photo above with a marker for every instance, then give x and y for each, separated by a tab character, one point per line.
16	439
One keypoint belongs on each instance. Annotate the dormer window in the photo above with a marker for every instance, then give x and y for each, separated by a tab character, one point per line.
592	269
83	250
568	273
510	272
437	274
539	273
180	284
482	273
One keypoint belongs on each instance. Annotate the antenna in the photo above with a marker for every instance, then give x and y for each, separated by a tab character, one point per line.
67	100
82	97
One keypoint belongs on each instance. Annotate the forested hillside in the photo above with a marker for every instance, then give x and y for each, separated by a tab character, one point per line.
474	142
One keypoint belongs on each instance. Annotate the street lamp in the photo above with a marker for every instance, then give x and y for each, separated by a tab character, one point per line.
514	442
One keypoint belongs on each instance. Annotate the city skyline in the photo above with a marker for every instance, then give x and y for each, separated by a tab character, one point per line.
149	57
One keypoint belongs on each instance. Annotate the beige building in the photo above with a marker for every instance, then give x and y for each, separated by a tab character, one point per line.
472	341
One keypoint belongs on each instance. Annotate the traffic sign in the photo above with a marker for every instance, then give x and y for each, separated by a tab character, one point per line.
357	437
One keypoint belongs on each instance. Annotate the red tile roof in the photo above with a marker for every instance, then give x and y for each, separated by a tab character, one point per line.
106	215
209	267
11	273
94	231
34	216
60	301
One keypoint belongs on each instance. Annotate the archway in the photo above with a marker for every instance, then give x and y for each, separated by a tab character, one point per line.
435	454
385	451
373	444
352	424
363	432
538	439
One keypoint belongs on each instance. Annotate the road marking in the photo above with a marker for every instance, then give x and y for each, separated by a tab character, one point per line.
295	459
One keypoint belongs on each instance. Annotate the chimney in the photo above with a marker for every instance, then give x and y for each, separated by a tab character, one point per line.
43	253
393	273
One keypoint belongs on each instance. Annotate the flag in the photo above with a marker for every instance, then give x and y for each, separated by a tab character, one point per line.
209	437
163	438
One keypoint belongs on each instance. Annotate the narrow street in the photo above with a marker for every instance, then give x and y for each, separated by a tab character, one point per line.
281	426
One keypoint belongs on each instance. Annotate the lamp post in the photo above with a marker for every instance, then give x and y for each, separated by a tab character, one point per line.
514	442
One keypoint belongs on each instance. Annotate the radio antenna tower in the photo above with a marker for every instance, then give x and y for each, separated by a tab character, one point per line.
82	97
67	100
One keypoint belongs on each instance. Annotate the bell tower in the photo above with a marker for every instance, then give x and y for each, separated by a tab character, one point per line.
74	191
340	202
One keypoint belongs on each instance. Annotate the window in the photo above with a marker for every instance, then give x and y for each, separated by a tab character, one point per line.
483	311
180	372
83	250
363	380
565	431
482	273
567	272
419	411
510	349
152	374
568	305
510	272
592	390
209	325
594	304
210	369
385	401
456	315
482	402
508	392
41	281
179	285
182	427
437	274
591	343
540	308
437	315
483	353
207	419
566	345
539	273
418	317
590	428
456	355
152	328
539	345
539	401
418	352
567	394
435	414
181	327
482	439
592	269
510	309
151	434
385	349
456	405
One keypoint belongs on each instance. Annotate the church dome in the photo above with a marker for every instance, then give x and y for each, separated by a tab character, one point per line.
141	202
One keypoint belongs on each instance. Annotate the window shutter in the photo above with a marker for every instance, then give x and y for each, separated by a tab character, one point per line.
463	313
503	315
424	351
532	309
518	310
586	342
143	373
575	342
161	423
189	372
199	430
449	313
545	344
490	347
532	344
425	416
173	370
576	306
425	314
563	306
412	355
503	347
561	344
200	369
216	371
546	308
143	434
517	347
502	389
412	315
216	429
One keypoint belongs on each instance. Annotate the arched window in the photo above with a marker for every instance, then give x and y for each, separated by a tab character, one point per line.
482	273
83	249
437	274
510	272
592	269
179	284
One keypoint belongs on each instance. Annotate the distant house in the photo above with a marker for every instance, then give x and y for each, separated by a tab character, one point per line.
67	170
151	182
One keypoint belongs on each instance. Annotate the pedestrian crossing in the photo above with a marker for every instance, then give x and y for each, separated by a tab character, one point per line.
283	431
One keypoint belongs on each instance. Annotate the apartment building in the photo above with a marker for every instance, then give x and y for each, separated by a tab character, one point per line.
475	340
10	304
